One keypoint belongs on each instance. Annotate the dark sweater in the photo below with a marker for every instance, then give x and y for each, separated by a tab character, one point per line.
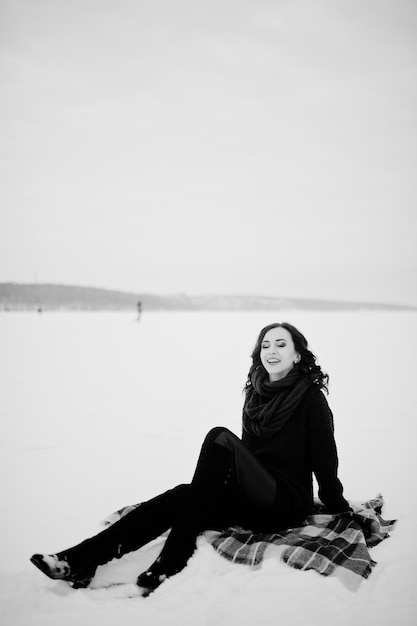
304	446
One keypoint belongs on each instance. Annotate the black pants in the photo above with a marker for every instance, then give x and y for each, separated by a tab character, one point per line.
229	487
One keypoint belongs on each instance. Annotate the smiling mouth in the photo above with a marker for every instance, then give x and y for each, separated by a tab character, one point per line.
273	361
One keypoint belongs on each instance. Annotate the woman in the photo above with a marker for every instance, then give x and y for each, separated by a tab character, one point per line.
263	481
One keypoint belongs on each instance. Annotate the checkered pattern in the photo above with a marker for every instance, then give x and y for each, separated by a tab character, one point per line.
330	544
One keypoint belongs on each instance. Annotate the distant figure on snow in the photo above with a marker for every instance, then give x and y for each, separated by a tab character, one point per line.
262	482
139	307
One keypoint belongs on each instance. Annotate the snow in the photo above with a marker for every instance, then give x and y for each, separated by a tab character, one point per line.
99	411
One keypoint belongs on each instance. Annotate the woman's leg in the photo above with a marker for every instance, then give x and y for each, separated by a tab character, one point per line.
146	522
227	477
255	487
224	464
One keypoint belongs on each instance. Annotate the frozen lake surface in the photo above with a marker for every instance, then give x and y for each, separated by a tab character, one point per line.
98	411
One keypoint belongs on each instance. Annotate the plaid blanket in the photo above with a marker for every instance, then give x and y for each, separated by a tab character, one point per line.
330	544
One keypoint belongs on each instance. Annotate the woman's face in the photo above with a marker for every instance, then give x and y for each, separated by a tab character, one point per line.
278	353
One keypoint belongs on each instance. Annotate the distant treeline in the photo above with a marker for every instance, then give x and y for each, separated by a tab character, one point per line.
51	297
16	296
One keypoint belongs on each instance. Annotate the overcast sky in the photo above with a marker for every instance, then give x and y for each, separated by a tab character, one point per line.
211	146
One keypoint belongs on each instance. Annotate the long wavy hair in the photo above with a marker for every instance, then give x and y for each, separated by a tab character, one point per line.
307	363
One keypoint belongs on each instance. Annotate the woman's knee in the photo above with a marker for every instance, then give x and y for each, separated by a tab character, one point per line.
180	492
215	433
222	436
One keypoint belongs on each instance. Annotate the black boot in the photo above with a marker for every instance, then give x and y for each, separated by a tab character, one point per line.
59	569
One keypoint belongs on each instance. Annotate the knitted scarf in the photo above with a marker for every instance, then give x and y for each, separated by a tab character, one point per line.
269	405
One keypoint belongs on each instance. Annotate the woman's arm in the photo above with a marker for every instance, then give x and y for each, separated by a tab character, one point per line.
323	452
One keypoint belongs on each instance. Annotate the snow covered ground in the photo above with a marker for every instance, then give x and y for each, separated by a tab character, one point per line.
98	411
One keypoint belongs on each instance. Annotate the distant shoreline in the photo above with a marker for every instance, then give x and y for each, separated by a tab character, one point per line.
55	297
